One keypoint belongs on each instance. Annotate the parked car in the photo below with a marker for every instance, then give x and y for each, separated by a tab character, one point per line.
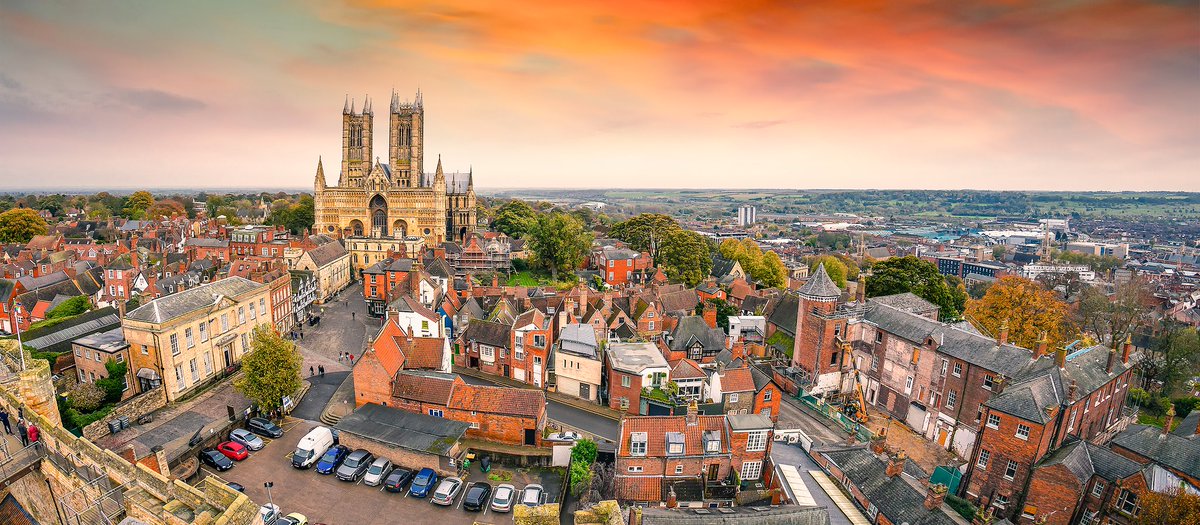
232	450
332	459
355	465
502	499
532	495
294	518
246	438
311	447
565	437
235	486
270	513
423	483
477	497
378	470
398	479
215	459
446	491
264	427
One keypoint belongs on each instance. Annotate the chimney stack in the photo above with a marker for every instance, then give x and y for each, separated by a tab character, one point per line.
693	414
935	495
861	289
1060	357
710	315
1040	349
1003	332
895	464
1127	349
1071	391
1112	359
998	384
1170	419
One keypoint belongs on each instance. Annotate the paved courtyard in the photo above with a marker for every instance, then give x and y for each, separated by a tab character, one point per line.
325	499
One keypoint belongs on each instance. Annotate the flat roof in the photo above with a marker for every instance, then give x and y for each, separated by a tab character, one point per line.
111	341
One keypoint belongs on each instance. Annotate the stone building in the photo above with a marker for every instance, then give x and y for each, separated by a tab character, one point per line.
396	199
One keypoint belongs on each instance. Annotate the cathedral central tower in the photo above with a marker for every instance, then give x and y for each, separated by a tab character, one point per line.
406	131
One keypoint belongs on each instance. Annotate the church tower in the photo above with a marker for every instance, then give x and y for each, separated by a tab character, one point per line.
356	143
406	151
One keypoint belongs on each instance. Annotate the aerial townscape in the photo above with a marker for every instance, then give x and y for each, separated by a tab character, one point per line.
376	337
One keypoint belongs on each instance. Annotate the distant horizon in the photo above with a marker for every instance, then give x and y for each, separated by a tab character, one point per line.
92	190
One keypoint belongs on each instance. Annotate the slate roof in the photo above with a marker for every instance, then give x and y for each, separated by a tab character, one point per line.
175	305
907	301
206	242
578	339
1188	425
741	515
893	496
783	316
327	253
1168	449
973	348
761	379
1043	384
489	333
400	428
755	304
692	329
820	285
722	266
58	338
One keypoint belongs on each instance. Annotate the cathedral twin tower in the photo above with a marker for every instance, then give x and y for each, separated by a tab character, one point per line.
397	199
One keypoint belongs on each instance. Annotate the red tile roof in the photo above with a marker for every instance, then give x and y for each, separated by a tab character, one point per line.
630	488
424	387
499	400
687	369
737	380
657	427
390	352
421	352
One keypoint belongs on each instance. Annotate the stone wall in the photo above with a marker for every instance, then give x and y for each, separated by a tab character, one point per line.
400	456
133	408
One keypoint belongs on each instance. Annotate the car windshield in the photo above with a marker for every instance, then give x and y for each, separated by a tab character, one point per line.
446	487
301	454
375	469
330	456
352	461
502	495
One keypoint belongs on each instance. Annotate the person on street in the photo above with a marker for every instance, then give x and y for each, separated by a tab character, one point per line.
24	432
321	370
4	419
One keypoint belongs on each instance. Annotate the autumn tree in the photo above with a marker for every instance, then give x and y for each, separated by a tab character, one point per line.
685	257
515	218
137	204
166	208
910	274
1176	507
18	225
1028	308
1171	359
271	370
559	242
645	232
1113	318
769	271
834	267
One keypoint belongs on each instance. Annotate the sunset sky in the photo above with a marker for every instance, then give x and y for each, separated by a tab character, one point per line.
999	94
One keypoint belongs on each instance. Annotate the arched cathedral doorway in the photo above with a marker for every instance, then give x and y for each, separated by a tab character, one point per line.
378	207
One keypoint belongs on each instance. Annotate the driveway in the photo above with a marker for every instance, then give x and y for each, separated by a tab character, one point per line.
325	499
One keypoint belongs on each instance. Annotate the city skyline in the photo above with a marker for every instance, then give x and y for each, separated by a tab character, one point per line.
1013	96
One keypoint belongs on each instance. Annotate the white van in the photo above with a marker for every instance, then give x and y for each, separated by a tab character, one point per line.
311	447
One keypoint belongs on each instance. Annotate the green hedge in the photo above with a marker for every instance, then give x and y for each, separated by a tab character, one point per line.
963	507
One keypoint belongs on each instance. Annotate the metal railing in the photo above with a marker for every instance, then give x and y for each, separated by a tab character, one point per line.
20	462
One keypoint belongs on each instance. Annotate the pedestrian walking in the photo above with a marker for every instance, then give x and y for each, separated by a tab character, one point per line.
352	314
24	432
321	370
351	356
4	419
33	433
310	371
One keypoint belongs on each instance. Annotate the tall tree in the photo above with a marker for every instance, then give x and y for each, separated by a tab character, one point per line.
18	225
271	370
137	204
168	208
1175	507
1029	310
1113	318
515	218
684	256
769	271
1171	359
910	274
645	232
559	242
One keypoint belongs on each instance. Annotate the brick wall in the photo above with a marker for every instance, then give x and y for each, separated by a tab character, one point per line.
1053	492
372	383
133	408
1003	445
616	392
762	403
400	456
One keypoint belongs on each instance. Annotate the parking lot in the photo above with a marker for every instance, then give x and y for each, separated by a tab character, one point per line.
325	499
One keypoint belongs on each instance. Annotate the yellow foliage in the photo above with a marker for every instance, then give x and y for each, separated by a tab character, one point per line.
1029	309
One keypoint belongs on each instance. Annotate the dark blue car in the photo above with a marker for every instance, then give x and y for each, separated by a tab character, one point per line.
423	483
332	458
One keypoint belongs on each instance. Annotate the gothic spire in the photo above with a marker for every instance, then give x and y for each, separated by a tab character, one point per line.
439	177
367	104
346	108
352	106
395	100
320	174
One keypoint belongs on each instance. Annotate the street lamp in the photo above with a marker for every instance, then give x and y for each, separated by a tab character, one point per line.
268	486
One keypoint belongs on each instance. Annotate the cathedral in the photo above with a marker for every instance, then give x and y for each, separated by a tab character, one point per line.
397	199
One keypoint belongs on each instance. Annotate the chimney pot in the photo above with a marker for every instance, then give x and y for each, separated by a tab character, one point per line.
1060	357
1127	349
935	495
895	464
1040	350
1170	419
1112	359
1003	333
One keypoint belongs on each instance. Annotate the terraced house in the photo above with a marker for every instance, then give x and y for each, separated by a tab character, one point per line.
186	339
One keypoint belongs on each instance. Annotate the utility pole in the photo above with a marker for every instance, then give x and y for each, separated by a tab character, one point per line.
268	486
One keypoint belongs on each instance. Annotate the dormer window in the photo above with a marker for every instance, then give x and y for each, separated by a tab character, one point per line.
637	444
674	444
712	442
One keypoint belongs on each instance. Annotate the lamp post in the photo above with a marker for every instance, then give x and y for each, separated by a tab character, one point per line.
268	486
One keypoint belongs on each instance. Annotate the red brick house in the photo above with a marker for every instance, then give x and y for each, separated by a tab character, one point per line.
690	458
618	264
511	416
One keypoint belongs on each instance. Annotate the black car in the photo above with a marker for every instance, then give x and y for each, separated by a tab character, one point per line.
477	497
355	465
398	479
264	427
215	459
236	486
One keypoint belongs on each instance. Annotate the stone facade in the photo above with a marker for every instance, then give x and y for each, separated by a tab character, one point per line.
133	408
396	199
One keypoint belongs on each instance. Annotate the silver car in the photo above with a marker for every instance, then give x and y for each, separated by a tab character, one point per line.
246	438
502	499
377	472
532	495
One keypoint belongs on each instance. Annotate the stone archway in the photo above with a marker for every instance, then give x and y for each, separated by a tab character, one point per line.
400	228
378	207
462	234
356	228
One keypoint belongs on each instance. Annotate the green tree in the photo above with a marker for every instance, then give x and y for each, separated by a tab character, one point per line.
684	256
645	232
18	225
583	454
766	270
86	397
137	204
559	242
833	266
724	310
1172	359
70	308
515	218
271	370
584	451
910	274
213	205
113	385
98	211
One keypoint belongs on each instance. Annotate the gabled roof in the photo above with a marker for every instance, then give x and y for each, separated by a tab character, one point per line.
172	306
893	496
820	285
579	340
489	333
498	400
783	316
687	369
327	253
722	266
1168	449
657	428
426	387
972	348
737	380
907	301
692	330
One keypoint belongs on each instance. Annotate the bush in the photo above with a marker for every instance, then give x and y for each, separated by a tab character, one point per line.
113	385
584	452
70	308
1184	405
77	420
963	507
581	477
520	265
86	397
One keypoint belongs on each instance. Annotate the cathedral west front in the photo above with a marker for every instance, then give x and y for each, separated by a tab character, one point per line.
397	199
